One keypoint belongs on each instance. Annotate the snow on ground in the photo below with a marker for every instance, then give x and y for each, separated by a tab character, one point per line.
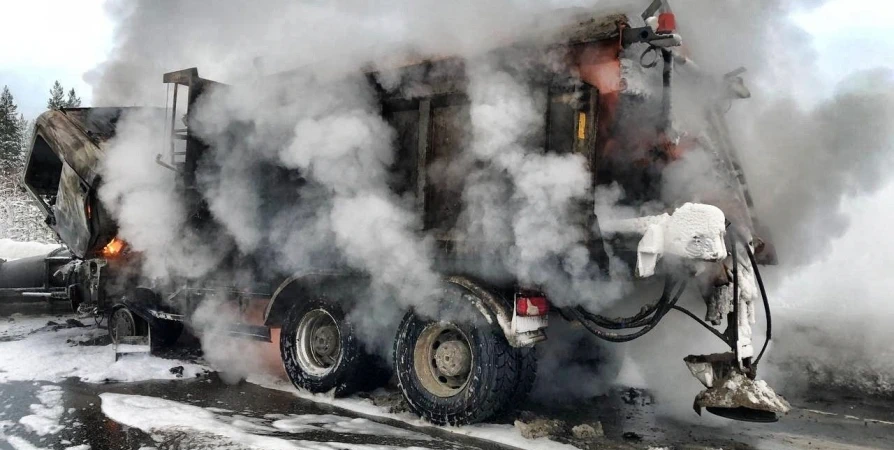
10	249
157	416
17	325
339	424
48	355
502	434
47	413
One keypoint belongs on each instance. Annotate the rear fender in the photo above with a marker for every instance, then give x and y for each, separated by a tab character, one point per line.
298	286
491	305
143	303
496	310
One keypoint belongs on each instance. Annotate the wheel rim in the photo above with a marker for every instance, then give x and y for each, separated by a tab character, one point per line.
443	359
318	342
122	324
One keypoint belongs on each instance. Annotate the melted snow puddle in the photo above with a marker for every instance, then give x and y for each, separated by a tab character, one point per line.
161	417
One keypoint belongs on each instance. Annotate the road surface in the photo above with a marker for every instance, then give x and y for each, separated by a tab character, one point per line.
44	403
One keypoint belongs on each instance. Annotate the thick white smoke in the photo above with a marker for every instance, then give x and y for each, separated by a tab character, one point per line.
802	158
806	157
520	194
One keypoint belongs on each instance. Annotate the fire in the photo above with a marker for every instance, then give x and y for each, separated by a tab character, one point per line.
113	248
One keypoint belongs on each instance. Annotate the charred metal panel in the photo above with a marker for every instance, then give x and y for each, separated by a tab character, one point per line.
404	169
422	152
449	135
62	172
70	142
70	212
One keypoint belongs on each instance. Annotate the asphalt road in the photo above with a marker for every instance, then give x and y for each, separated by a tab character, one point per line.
85	423
630	418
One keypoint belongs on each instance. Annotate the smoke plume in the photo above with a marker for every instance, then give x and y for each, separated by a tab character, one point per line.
300	178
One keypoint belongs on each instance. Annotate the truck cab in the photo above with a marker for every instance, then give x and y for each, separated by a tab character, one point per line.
62	175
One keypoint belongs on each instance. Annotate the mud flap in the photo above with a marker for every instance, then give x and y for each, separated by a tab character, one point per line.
133	346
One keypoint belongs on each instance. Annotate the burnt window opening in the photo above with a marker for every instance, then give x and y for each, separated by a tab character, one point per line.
43	172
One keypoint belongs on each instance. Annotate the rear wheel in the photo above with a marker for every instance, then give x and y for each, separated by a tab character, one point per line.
123	324
527	375
454	373
319	350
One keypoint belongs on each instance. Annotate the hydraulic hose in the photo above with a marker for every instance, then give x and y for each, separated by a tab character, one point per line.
651	314
664	304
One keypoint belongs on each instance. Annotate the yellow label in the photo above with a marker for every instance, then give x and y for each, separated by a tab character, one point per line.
582	126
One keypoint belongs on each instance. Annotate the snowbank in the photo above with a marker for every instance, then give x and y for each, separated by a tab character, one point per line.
10	249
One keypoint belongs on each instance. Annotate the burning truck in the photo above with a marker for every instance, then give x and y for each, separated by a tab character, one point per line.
473	357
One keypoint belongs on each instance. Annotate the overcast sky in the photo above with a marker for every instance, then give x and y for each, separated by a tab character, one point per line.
46	40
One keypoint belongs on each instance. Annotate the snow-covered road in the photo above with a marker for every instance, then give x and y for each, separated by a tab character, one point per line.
61	389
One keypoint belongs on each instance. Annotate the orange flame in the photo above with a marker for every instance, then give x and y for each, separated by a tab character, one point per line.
113	248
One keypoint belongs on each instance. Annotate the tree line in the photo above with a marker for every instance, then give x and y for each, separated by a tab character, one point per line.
19	218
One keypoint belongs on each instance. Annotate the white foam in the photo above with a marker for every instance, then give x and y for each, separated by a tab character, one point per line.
18	443
156	415
46	415
502	434
46	356
341	424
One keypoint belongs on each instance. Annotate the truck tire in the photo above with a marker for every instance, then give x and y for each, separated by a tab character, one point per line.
527	375
455	373
123	323
320	351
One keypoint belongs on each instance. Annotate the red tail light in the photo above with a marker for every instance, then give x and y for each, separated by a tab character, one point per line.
667	23
531	305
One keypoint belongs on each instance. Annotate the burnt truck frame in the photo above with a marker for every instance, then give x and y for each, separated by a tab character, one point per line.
449	371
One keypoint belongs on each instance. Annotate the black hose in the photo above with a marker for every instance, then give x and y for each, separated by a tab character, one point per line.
635	321
666	303
702	323
763	290
766	301
650	315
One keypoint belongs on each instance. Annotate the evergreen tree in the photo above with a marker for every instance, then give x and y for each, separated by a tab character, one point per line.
20	219
57	97
73	100
26	128
10	134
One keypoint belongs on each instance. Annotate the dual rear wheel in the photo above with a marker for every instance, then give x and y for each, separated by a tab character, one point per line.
450	372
